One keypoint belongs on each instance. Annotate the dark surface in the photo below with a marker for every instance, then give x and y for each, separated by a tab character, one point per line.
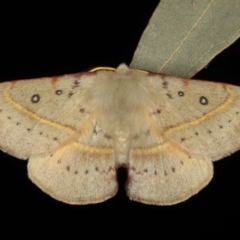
73	38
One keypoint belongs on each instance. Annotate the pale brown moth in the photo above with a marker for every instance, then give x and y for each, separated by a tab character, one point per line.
77	130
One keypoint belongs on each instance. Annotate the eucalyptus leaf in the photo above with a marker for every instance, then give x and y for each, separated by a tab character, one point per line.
183	36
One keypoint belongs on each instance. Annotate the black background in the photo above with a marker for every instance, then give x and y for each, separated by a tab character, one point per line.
42	40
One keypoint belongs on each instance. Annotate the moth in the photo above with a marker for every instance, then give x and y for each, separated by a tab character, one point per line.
78	129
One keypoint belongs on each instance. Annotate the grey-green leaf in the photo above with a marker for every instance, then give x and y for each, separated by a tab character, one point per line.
183	36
